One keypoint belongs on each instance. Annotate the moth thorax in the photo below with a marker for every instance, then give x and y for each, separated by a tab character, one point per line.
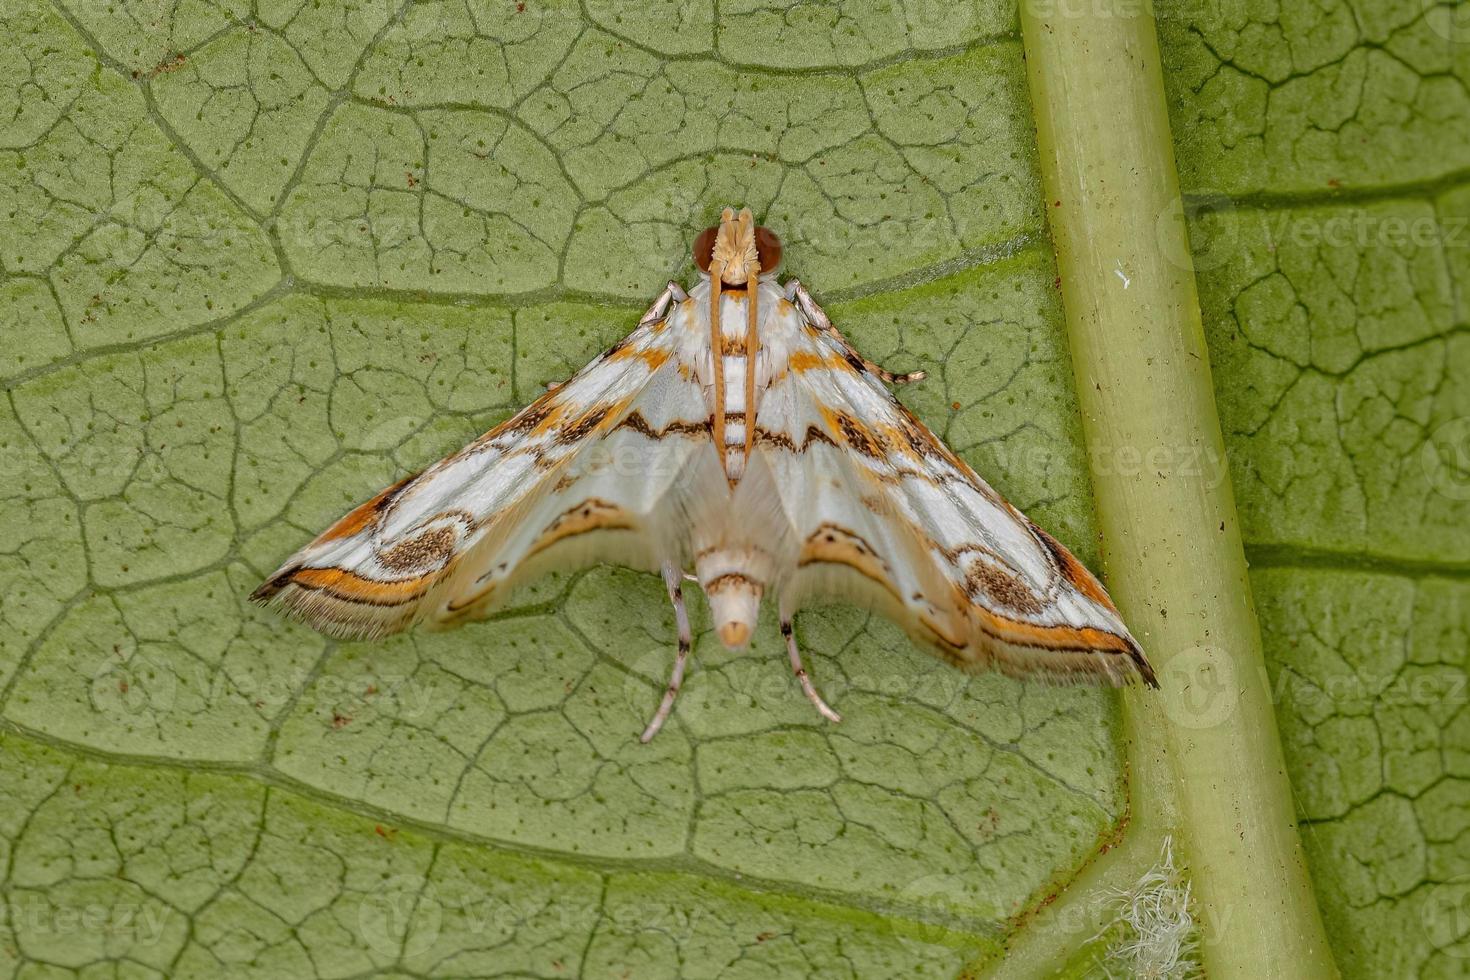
734	596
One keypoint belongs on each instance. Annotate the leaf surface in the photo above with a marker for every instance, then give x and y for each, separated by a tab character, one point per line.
261	260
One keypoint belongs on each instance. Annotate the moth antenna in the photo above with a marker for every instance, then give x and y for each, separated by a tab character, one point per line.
752	347
717	355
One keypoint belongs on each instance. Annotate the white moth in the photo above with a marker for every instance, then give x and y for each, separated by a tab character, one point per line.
736	433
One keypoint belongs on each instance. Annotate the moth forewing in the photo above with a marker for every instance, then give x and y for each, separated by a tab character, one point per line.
735	433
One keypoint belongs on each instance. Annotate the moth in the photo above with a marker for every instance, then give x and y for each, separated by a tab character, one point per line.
735	438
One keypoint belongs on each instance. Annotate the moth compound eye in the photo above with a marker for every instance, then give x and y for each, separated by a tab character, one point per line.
767	248
704	248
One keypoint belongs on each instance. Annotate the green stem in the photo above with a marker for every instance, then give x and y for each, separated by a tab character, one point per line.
1175	563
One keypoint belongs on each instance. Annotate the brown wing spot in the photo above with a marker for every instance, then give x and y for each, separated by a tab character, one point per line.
858	436
592	514
638	424
366	514
913	434
986	581
836	545
681	427
775	438
527	419
1073	570
429	550
814	434
586	423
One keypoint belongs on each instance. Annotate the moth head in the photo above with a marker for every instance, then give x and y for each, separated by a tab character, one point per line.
737	248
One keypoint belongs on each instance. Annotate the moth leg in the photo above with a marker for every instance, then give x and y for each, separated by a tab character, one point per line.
673	293
672	581
801	675
796	292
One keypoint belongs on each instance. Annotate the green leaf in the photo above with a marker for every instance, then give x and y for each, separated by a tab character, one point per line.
1332	290
260	260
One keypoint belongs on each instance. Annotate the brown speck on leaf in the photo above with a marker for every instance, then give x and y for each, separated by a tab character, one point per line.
1056	204
412	180
387	833
763	936
172	63
955	405
1056	283
520	8
1334	183
122	686
340	720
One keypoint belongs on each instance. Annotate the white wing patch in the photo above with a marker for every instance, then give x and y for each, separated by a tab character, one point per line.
824	487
